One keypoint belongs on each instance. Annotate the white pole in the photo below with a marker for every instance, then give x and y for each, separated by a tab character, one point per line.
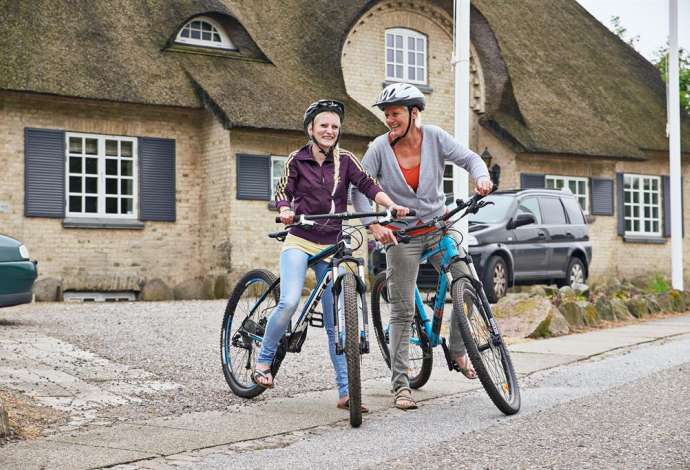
673	105
462	96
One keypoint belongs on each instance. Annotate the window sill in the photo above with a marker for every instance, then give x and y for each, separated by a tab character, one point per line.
654	240
423	88
95	222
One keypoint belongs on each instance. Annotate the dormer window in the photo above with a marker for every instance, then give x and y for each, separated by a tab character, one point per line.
203	31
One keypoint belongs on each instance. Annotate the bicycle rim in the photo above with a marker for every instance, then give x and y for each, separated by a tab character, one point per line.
244	323
487	351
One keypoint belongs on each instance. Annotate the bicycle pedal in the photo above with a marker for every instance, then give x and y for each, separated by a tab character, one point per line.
316	319
296	340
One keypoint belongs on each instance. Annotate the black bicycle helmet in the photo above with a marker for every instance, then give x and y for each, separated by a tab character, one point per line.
401	94
323	106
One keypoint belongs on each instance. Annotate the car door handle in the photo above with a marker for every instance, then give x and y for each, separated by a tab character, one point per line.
541	234
569	235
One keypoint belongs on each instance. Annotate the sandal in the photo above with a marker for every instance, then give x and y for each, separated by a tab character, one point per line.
346	406
258	374
403	400
468	371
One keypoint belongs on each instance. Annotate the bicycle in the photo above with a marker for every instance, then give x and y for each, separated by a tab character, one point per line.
480	333
257	293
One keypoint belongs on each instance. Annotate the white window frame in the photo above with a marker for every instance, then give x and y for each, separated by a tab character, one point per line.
629	204
275	159
389	50
560	182
447	179
101	175
216	29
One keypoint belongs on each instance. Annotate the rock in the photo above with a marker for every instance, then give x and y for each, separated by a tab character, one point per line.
581	289
591	316
193	289
4	422
536	290
156	290
551	291
638	306
573	312
672	301
522	315
604	309
220	287
652	304
48	289
620	310
566	293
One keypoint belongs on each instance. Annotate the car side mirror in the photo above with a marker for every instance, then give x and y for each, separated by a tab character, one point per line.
520	220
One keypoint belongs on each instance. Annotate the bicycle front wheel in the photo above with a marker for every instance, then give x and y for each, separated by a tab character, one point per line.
242	331
352	347
486	349
420	355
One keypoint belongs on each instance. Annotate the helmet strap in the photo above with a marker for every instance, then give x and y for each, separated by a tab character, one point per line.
409	123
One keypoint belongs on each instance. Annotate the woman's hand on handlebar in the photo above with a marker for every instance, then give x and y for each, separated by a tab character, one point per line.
399	212
287	216
484	186
383	234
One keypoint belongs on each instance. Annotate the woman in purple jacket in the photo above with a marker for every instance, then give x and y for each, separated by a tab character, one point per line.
315	180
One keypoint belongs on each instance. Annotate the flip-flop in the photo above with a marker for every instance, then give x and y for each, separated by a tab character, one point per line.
466	371
346	406
262	374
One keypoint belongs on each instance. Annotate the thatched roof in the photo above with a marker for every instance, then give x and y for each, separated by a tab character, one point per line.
557	81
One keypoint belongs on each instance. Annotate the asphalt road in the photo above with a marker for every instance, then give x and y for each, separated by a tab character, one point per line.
624	410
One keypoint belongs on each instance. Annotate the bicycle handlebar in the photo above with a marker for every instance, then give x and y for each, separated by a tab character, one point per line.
302	218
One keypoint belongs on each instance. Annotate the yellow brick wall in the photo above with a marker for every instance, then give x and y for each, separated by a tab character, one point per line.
95	258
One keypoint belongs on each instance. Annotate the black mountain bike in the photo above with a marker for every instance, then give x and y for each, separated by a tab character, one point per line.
257	294
485	346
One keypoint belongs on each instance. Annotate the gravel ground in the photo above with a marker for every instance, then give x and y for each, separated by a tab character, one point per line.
178	342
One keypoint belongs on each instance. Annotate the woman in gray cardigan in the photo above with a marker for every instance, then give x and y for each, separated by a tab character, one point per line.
408	162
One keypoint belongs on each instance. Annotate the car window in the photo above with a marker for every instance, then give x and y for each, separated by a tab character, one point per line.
530	205
573	210
494	213
552	210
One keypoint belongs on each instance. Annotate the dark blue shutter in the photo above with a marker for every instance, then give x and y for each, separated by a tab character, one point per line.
602	197
532	181
44	173
620	203
666	201
253	177
157	179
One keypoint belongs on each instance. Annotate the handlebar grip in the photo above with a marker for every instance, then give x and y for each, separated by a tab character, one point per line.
394	213
277	220
403	238
282	233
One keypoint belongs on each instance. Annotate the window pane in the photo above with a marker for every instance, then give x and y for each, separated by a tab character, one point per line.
448	171
572	186
126	206
206	36
420	59
655	199
398	56
655	212
636	183
549	183
75	144
389	71
647	226
410	73
91	204
646	198
126	187
91	185
655	226
420	73
216	37
447	187
636	198
196	34
398	41
111	166
205	26
91	166
91	146
628	197
185	33
552	210
389	40
196	24
636	225
75	184
126	149
75	164
411	43
75	203
111	205
647	212
111	148
628	211
655	184
399	71
628	225
111	186
126	168
410	58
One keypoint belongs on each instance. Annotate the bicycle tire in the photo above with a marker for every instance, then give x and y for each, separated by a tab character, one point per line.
352	347
421	357
488	353
237	351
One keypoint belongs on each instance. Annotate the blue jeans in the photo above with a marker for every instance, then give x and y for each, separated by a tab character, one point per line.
293	269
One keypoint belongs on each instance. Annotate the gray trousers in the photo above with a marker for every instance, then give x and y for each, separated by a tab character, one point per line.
402	267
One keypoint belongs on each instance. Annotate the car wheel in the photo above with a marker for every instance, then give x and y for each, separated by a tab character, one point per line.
576	273
496	279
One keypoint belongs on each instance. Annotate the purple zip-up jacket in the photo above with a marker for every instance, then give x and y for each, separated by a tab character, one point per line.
308	188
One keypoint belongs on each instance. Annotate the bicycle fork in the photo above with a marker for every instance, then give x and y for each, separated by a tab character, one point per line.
338	305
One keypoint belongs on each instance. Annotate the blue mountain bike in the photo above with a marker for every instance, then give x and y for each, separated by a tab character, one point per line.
471	309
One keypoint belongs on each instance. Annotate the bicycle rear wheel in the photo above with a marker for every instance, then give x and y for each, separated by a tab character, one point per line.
242	331
420	354
352	347
487	350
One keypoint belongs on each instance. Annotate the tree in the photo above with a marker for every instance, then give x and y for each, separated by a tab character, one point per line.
620	31
661	63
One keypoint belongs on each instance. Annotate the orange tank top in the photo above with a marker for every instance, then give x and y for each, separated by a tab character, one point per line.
411	176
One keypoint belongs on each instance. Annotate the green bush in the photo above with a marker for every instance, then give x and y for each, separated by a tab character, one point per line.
658	284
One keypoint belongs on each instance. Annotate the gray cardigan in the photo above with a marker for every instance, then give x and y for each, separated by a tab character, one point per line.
429	201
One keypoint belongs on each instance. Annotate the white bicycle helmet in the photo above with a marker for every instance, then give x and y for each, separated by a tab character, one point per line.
401	94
